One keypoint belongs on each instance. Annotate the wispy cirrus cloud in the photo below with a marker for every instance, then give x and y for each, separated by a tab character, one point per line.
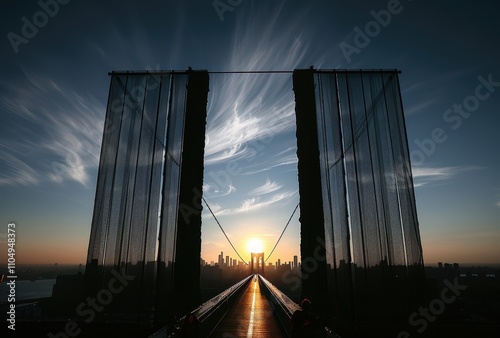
266	188
244	126
217	210
247	111
54	133
213	190
420	106
15	169
253	204
426	175
257	203
283	158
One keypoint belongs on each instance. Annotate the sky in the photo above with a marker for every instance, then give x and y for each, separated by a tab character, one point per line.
55	58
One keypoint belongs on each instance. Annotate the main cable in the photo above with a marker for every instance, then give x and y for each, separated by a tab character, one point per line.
220	226
287	223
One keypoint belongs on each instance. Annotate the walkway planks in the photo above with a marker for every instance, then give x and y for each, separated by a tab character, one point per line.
251	316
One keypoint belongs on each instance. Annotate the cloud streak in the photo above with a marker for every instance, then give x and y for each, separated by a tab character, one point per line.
266	188
426	175
57	137
253	204
16	171
213	190
247	111
283	158
257	203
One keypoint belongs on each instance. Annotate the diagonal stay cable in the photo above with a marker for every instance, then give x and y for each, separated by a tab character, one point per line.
220	226
293	213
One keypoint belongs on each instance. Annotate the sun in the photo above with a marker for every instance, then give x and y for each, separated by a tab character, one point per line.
255	246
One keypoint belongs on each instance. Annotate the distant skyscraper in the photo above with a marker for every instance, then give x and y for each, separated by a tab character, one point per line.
221	260
295	261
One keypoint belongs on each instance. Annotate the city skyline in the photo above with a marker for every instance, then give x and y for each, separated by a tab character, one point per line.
237	262
55	87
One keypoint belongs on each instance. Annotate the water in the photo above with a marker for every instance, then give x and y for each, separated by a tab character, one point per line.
28	290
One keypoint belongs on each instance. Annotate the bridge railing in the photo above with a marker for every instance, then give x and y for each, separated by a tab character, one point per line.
209	313
220	303
284	307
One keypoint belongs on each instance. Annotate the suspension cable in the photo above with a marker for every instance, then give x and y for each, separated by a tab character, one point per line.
293	213
220	226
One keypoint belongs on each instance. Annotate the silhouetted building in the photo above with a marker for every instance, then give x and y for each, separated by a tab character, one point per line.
360	241
221	260
67	293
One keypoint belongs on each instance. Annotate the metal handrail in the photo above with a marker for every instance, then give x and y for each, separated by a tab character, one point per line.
287	306
206	309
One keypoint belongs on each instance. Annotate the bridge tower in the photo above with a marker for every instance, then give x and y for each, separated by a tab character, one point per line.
257	263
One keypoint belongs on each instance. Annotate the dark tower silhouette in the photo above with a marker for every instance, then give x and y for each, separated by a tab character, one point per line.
356	197
187	294
312	231
148	195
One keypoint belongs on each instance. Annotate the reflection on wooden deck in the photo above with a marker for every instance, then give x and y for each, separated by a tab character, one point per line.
251	316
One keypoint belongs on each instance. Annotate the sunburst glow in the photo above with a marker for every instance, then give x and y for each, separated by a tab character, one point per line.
255	245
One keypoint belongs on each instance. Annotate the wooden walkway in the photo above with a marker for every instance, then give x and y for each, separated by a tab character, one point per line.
251	316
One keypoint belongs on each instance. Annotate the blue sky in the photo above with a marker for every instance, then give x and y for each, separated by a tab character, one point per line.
54	87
